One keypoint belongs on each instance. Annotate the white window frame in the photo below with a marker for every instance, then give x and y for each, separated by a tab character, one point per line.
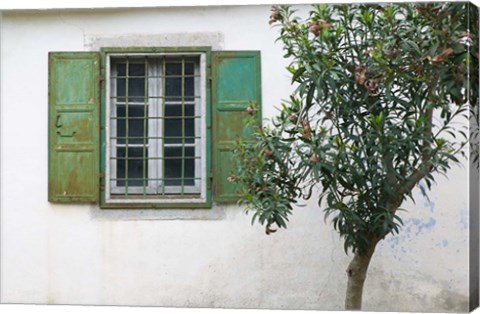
172	194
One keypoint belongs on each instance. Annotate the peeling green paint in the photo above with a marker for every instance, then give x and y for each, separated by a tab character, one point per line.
73	127
236	84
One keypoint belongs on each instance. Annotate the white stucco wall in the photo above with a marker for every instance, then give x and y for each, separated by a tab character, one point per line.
79	254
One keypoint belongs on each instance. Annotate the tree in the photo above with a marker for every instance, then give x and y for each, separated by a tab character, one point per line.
378	90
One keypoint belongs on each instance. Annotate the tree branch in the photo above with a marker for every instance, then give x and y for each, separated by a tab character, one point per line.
426	165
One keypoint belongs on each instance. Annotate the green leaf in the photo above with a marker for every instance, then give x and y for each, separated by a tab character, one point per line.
311	93
298	73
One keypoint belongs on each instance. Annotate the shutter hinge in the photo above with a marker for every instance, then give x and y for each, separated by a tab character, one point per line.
102	181
209	182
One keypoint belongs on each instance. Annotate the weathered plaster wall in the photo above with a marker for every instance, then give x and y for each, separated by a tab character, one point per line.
211	258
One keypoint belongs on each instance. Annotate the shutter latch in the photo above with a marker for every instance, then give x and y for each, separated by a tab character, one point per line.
102	181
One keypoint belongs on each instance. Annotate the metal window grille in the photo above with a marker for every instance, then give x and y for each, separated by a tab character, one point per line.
156	142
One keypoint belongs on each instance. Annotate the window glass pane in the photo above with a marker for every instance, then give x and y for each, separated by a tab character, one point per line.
173	166
189	123
189	86
136	69
189	164
136	86
121	89
120	81
121	124
121	69
173	88
135	163
189	68
173	130
137	124
175	68
173	110
173	127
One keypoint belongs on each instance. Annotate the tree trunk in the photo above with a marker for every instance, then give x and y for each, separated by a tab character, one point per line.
357	272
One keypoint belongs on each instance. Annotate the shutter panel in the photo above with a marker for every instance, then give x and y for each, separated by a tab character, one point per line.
236	83
73	127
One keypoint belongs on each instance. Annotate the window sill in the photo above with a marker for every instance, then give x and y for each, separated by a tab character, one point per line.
184	204
134	214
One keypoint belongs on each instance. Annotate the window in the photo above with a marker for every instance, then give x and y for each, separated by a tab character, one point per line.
140	128
156	126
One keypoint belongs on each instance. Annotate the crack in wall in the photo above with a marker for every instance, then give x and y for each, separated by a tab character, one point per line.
74	25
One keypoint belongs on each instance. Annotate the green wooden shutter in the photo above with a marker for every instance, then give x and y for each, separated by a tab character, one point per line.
73	161
236	83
